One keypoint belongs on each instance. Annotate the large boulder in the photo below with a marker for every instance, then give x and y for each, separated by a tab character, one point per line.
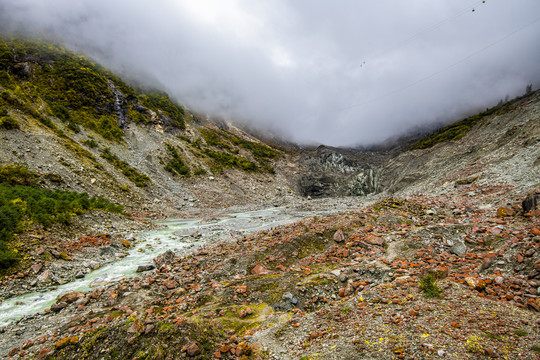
164	259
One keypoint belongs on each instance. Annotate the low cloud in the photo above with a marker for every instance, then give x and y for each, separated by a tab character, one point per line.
336	72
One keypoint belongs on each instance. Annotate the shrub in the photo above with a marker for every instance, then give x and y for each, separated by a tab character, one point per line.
200	171
39	206
140	180
228	160
159	101
18	175
8	123
428	285
176	165
61	112
91	143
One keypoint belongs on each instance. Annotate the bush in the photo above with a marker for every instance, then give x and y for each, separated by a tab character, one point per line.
60	112
428	285
228	160
21	201
18	175
159	101
140	180
8	123
176	165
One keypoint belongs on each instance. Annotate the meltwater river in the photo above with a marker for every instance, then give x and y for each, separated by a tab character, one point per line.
175	235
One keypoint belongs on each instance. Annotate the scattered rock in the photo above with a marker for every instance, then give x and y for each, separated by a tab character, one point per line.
459	248
125	243
164	259
192	349
338	236
70	297
36	268
58	306
505	211
259	270
143	268
136	327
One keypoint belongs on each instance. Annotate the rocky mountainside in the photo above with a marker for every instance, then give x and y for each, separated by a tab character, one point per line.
500	144
430	249
66	116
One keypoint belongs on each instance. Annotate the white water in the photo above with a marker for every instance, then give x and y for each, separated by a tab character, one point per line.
175	236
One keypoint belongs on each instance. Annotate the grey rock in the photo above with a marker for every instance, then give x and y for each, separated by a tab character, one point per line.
164	259
459	248
147	267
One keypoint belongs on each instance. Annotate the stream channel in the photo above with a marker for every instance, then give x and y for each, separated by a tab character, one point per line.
175	234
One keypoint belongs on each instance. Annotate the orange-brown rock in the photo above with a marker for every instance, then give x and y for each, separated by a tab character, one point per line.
259	270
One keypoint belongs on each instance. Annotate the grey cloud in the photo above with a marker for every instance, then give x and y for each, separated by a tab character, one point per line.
338	72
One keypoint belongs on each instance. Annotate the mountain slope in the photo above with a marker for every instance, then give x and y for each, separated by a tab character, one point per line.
62	114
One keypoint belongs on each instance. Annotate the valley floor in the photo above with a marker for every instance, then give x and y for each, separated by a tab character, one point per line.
456	275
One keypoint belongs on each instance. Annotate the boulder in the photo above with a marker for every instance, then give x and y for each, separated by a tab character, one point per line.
192	349
531	202
459	248
36	268
70	297
164	259
259	270
338	236
147	267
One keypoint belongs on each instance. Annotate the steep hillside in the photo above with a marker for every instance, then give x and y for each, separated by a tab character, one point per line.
64	115
499	146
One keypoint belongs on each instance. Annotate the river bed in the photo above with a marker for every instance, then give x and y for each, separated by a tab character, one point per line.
179	235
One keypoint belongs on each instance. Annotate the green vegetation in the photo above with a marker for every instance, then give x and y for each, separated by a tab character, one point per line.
213	138
159	101
199	172
230	161
454	131
21	202
140	180
428	285
18	175
78	92
7	122
176	165
225	140
91	143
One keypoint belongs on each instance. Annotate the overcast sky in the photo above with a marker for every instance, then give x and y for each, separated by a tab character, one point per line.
338	72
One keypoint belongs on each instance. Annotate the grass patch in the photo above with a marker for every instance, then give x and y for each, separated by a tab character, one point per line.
430	288
140	180
176	164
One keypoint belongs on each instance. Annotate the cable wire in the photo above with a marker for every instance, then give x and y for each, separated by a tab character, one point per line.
445	68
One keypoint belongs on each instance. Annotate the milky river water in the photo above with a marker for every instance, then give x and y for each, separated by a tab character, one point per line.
176	235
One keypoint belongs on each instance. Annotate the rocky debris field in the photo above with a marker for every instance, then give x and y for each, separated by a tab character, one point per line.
59	255
451	276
